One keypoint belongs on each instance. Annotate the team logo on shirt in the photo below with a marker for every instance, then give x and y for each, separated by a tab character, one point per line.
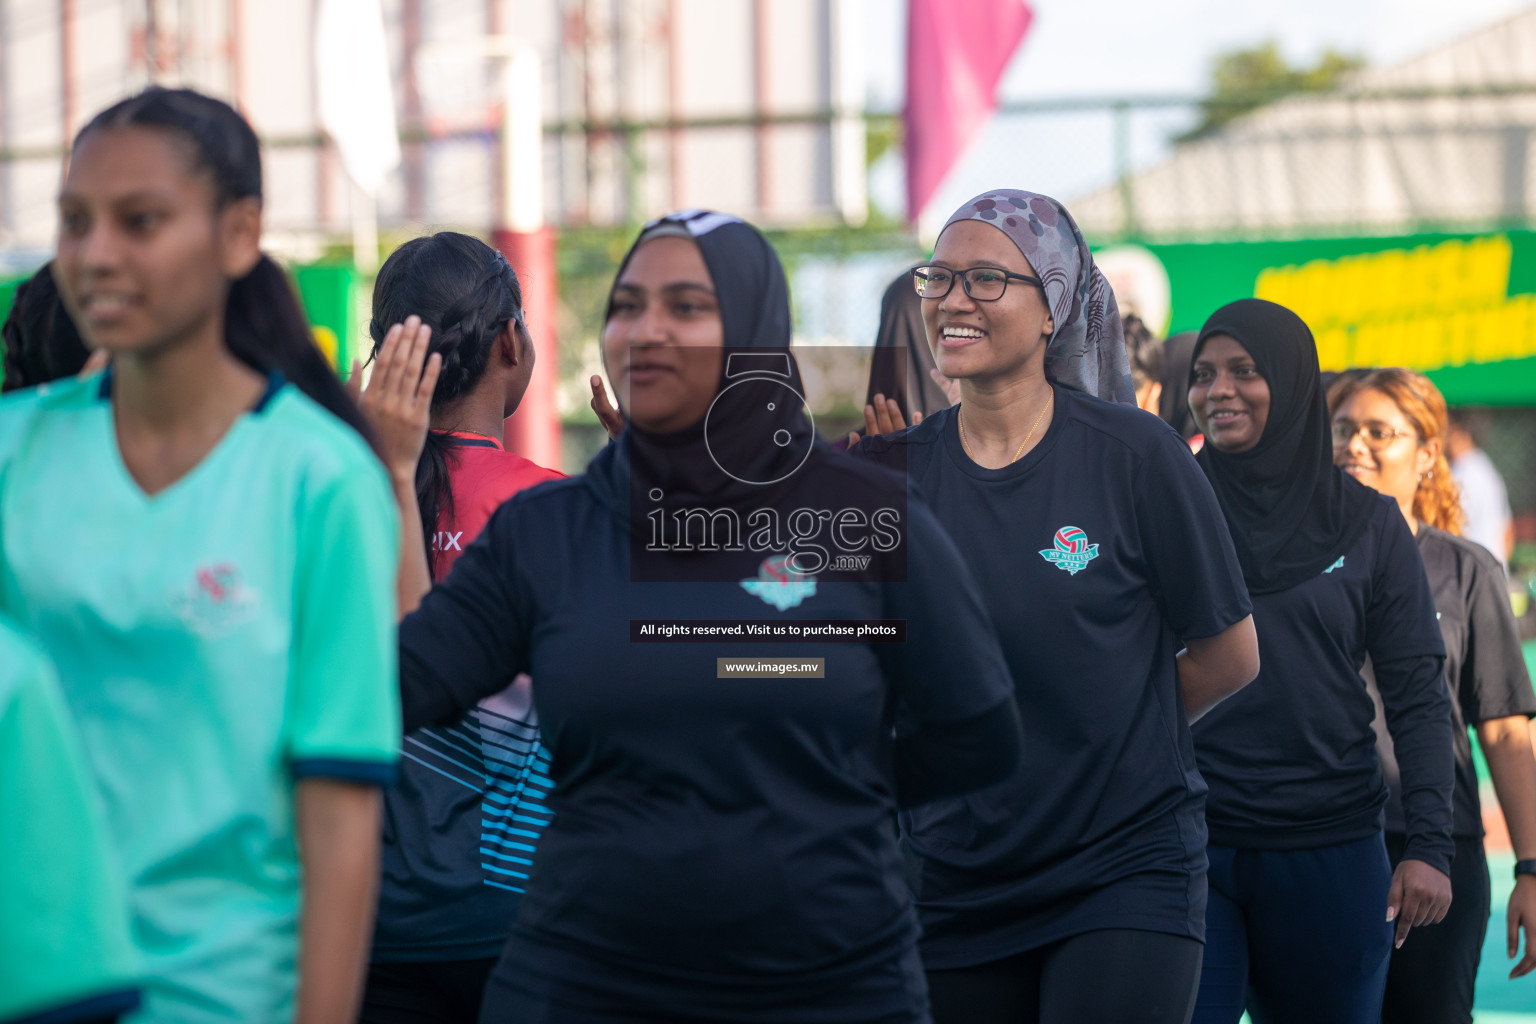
1072	551
216	602
779	585
1336	565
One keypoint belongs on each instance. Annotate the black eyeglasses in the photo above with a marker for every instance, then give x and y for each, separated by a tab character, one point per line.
984	284
1377	435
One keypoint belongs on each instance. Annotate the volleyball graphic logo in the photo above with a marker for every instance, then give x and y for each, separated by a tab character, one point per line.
779	585
1072	551
217	601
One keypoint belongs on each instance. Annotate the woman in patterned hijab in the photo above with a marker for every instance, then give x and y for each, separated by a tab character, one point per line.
1075	889
1085	345
1086	352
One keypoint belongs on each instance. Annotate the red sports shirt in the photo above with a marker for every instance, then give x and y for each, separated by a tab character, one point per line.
482	474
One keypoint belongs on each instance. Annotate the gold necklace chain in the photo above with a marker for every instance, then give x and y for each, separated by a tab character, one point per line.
960	419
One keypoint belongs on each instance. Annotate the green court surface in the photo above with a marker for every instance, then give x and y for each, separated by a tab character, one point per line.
1499	1000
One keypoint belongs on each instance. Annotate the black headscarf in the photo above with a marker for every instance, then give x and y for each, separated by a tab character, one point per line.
755	451
729	459
905	377
1291	511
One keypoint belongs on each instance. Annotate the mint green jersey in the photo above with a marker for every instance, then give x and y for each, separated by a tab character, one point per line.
215	642
64	944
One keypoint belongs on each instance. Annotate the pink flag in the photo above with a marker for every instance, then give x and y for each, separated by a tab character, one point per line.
956	53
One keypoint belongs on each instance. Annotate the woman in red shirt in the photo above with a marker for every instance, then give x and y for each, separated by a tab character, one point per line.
451	886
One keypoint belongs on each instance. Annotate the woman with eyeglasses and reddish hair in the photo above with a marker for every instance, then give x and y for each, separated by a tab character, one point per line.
1388	431
1303	901
1074	890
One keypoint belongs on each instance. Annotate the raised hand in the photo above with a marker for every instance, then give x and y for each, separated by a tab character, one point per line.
882	416
398	399
611	419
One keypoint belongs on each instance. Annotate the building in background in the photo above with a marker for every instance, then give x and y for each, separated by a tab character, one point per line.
1394	215
1447	138
648	105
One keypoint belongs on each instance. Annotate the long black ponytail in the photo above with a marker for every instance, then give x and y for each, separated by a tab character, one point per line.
466	292
264	326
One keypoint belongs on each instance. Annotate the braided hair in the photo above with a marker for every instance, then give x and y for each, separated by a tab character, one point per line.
467	293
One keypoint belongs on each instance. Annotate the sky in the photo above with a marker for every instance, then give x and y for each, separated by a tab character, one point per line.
1115	48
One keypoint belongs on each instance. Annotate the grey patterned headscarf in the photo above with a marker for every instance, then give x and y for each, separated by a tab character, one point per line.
1087	351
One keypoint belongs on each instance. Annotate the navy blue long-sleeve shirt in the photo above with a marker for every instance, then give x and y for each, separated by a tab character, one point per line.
721	848
1291	759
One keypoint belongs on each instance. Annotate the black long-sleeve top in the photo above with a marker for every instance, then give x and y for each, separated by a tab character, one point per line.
1291	758
714	834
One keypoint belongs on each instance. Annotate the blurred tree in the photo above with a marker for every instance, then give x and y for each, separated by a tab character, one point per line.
1244	80
881	135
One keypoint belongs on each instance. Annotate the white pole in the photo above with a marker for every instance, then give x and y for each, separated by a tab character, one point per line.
365	229
849	175
522	138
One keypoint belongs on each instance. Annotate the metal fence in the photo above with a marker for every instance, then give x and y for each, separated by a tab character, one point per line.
1378	161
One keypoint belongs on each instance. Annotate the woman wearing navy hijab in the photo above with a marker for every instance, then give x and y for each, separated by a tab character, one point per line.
1304	906
722	846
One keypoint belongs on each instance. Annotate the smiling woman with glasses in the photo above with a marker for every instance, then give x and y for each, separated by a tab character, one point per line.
1072	890
1431	977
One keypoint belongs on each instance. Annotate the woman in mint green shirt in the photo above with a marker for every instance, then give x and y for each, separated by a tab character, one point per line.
64	947
204	543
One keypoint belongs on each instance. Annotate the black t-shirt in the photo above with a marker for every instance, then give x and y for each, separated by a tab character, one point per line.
1291	758
1097	554
1484	667
721	849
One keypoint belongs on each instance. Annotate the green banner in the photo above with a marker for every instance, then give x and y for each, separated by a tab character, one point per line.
328	293
1461	308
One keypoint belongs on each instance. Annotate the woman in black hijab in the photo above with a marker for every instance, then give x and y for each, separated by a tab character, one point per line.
722	846
1303	904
